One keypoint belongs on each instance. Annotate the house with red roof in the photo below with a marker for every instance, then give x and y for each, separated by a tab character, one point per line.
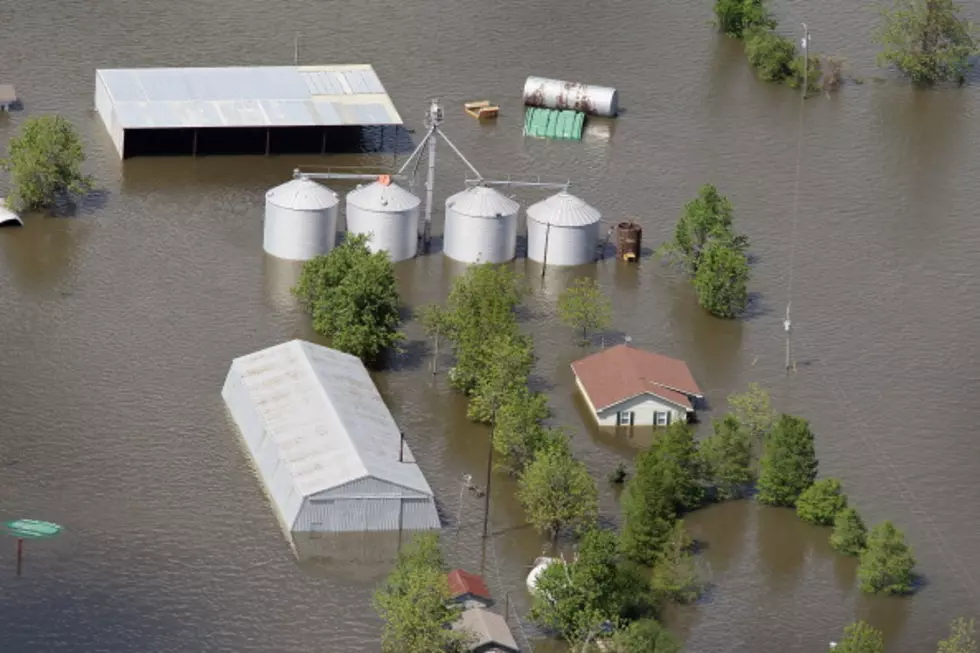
625	386
469	590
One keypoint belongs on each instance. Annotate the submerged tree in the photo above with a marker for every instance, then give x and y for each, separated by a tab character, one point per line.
887	562
506	372
789	462
736	17
753	410
646	635
434	320
770	54
962	637
414	602
675	577
926	40
557	492
821	502
722	280
859	637
353	298
519	433
850	535
583	306
45	163
727	454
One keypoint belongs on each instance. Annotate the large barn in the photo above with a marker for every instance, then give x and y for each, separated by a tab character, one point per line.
327	450
242	110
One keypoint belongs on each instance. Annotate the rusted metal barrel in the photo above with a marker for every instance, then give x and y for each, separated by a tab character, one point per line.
557	94
628	237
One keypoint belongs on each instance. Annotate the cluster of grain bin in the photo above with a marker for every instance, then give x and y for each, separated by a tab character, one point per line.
301	219
481	223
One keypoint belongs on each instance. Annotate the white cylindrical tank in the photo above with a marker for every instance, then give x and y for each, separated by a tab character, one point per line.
540	564
481	226
389	213
567	226
557	94
300	220
8	217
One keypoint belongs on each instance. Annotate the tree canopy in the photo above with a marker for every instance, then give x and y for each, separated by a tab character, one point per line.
45	161
753	410
926	40
414	602
859	637
736	17
727	454
886	562
821	502
789	462
675	577
505	373
850	535
962	637
583	306
645	636
519	434
722	280
353	298
557	492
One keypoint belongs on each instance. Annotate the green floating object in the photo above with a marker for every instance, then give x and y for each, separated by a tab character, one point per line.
563	124
32	528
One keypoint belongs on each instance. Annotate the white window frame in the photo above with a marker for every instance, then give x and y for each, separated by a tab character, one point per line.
661	418
626	415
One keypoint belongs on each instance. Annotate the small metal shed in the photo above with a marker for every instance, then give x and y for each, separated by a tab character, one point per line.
326	448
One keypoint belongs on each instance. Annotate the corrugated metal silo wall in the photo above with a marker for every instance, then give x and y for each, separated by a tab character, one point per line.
298	235
395	232
480	240
566	245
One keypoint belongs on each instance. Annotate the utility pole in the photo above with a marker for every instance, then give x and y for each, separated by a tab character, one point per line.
788	323
806	57
486	498
788	326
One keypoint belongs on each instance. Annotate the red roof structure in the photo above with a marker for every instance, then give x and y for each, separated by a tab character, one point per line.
462	583
621	372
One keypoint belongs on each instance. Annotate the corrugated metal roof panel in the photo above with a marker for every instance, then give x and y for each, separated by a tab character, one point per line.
379	197
302	195
482	202
563	210
326	417
245	97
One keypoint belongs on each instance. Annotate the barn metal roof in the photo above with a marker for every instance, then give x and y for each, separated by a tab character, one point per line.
387	198
563	210
326	418
482	202
267	96
302	195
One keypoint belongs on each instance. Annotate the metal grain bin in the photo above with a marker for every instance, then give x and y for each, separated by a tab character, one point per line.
562	230
389	213
557	94
300	220
481	226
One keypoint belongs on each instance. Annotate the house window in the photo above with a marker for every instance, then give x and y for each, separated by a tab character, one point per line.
626	418
662	418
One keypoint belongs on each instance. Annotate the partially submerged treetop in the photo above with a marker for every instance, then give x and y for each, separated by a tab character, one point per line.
45	163
926	40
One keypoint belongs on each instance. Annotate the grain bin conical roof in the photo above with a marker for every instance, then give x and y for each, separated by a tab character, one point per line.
302	195
482	202
386	197
563	210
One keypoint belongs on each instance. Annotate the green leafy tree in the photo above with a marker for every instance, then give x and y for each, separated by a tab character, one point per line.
557	492
789	462
506	372
962	637
667	482
753	410
574	598
353	298
414	602
770	54
645	636
727	454
583	306
481	305
736	17
859	637
435	321
814	72
887	562
722	280
707	217
926	40
675	577
821	502
45	163
519	432
850	535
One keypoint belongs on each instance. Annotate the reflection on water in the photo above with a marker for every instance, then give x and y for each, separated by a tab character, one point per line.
783	544
43	254
280	277
713	529
361	558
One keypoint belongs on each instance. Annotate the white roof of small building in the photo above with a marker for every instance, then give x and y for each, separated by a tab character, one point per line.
482	202
302	195
563	210
326	417
264	96
377	196
486	628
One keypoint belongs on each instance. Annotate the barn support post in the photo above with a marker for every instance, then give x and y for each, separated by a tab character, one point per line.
323	142
194	146
401	446
268	138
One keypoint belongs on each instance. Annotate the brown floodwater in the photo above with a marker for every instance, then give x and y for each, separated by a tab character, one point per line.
118	324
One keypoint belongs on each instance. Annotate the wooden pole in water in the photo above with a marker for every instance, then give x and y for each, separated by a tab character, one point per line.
401	447
507	607
486	499
20	554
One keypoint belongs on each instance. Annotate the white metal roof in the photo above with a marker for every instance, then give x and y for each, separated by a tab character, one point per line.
563	210
267	96
482	202
383	198
326	417
302	195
